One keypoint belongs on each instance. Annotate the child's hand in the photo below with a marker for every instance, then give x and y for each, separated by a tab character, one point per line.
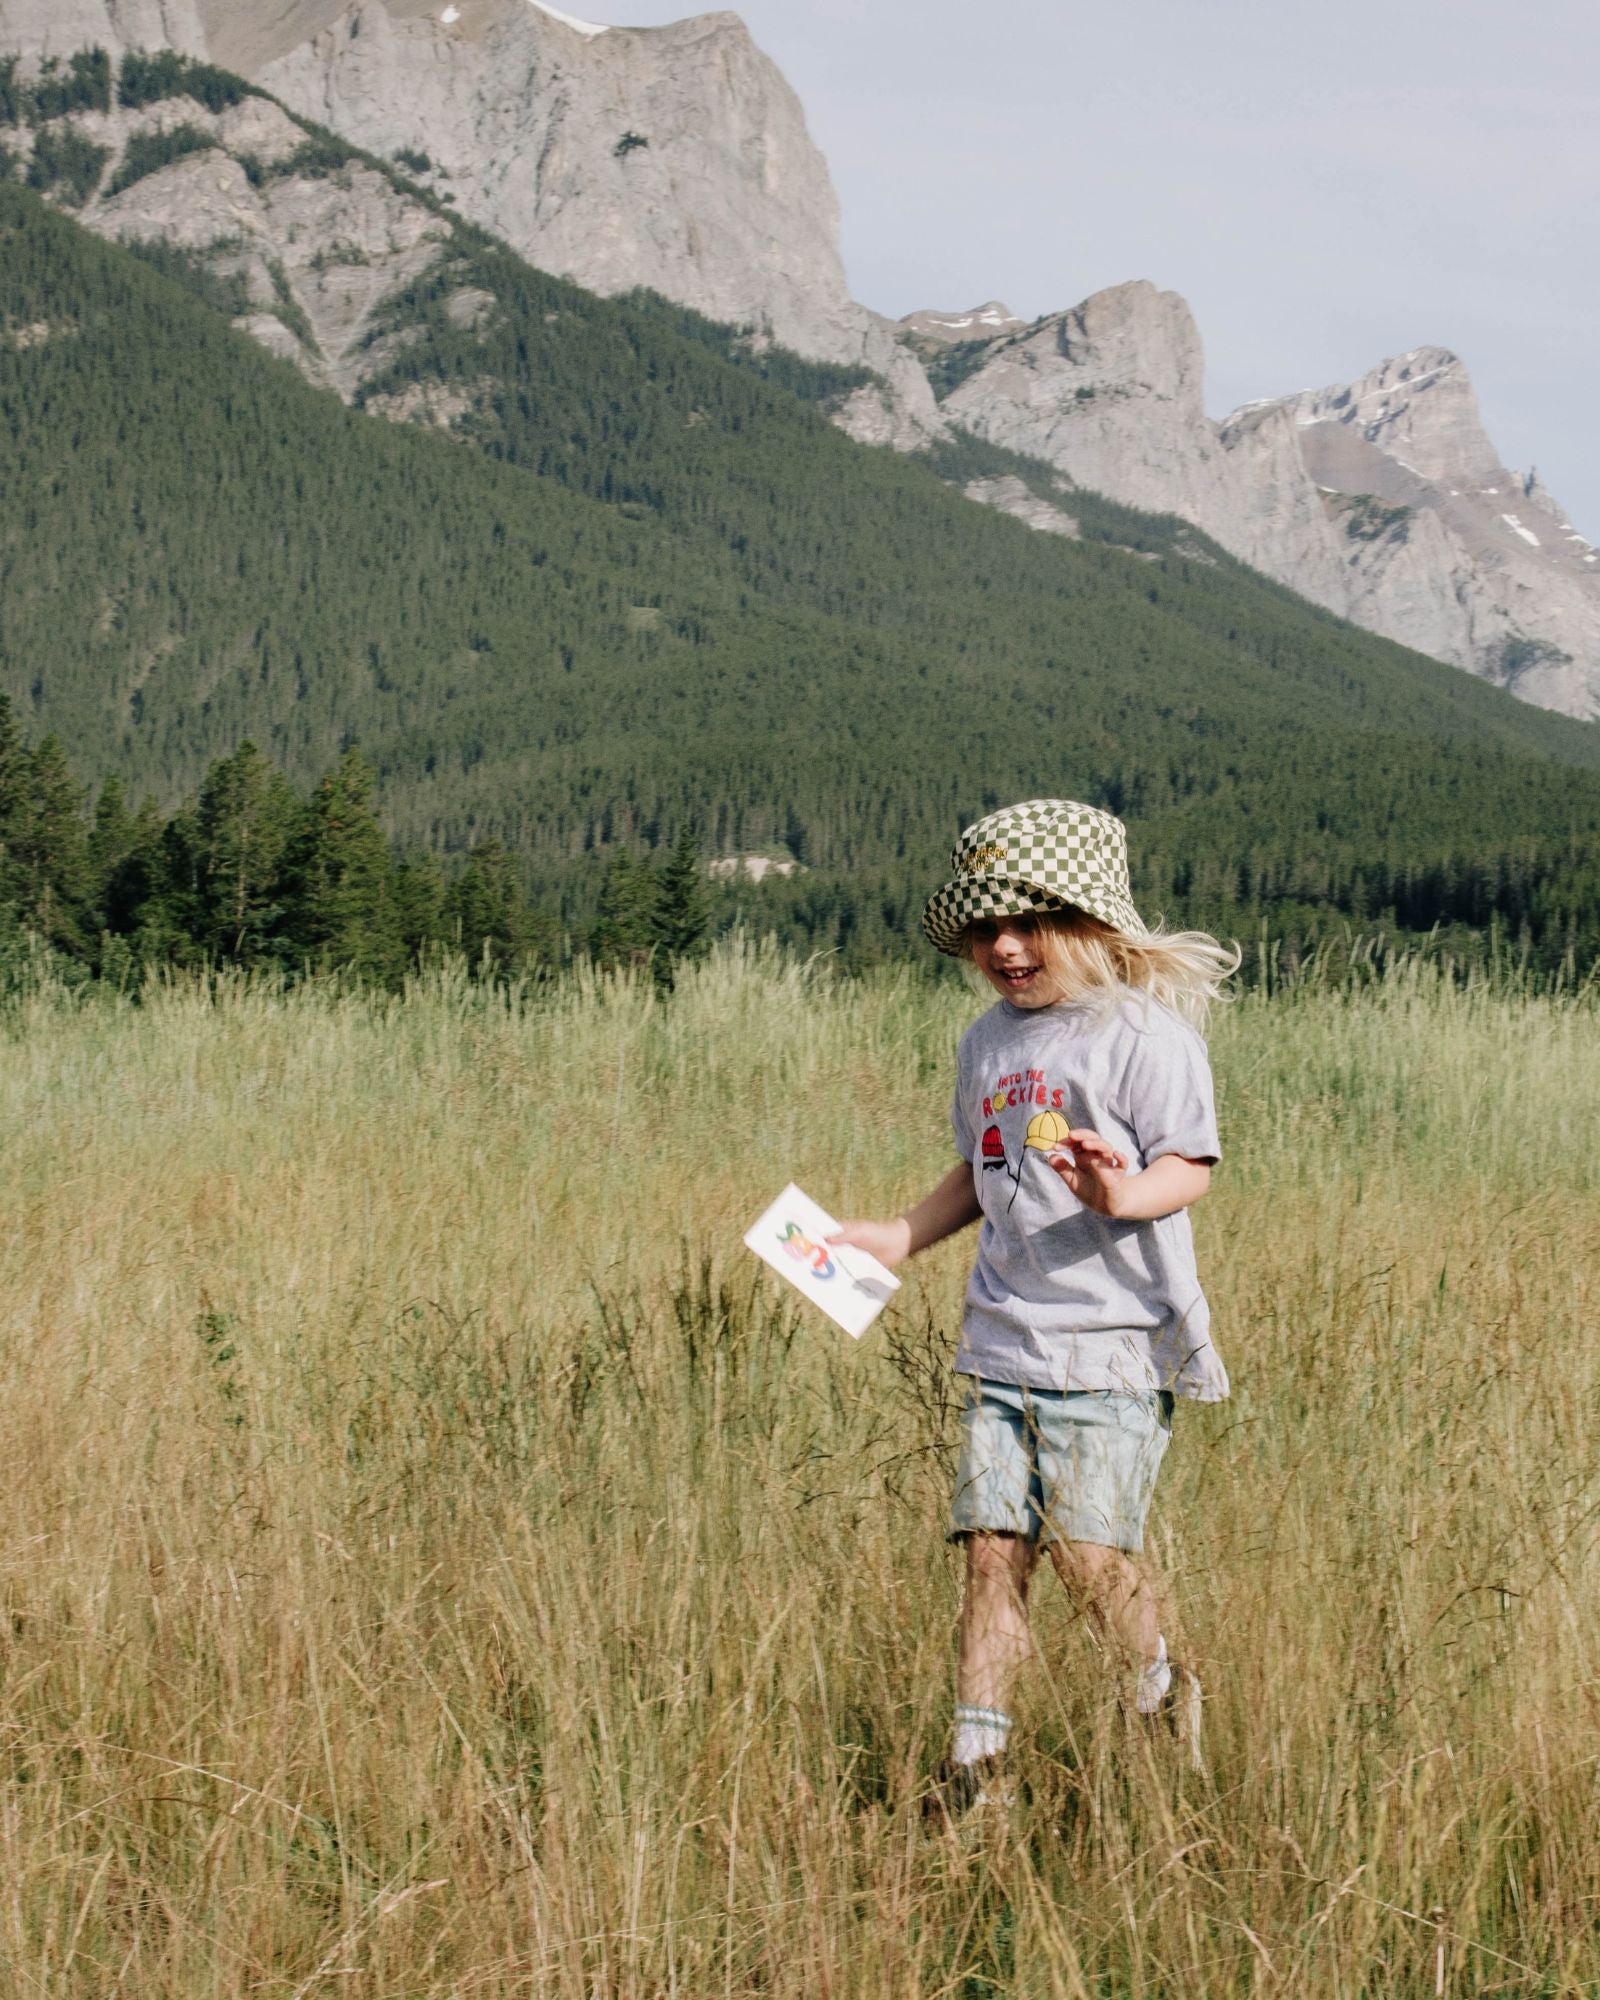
948	1207
889	1242
1094	1171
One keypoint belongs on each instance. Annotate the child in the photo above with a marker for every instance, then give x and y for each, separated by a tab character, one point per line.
1084	1120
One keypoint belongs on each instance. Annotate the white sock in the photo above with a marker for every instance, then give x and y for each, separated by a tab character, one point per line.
1155	1677
980	1732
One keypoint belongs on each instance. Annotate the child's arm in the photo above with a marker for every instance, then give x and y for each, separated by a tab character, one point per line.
1098	1175
951	1206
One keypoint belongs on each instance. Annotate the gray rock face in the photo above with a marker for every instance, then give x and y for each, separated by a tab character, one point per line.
1444	548
675	158
1110	393
1383	500
245	35
44	28
899	409
1418	409
678	158
312	257
1009	495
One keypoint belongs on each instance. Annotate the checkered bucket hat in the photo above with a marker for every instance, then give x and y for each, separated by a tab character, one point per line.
1047	854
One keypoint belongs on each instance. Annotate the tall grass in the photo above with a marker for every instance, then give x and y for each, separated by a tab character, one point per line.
436	1561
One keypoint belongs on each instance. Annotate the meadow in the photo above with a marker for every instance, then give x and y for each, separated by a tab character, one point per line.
435	1560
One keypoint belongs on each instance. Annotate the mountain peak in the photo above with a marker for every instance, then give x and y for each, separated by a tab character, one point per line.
1419	408
986	322
675	158
249	40
569	20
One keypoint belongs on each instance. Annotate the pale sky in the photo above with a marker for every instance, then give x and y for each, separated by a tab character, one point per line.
1325	186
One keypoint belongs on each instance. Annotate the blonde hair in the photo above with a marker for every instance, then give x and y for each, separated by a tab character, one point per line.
1186	971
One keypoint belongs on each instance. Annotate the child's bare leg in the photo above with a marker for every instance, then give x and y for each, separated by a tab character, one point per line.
994	1619
1114	1595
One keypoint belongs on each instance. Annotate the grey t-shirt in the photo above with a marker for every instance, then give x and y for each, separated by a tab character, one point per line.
1060	1297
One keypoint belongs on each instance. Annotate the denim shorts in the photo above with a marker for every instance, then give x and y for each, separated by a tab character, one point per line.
1079	1465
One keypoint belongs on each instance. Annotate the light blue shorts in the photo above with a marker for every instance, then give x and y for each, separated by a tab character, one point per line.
1079	1465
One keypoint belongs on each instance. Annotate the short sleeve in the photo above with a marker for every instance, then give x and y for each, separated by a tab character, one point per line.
1170	1104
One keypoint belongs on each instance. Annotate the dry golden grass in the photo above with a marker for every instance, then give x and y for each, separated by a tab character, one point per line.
436	1562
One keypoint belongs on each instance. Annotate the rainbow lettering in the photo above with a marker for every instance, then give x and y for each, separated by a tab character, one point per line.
801	1248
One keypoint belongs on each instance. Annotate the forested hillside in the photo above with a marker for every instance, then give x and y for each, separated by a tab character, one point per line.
663	595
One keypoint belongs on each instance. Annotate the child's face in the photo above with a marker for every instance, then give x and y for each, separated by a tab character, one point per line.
1006	951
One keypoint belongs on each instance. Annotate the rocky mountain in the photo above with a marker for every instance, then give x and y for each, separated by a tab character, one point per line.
645	586
1443	544
677	158
1110	394
986	322
53	30
250	206
1383	500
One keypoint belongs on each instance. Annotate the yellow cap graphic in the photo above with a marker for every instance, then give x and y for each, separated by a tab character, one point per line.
1046	1131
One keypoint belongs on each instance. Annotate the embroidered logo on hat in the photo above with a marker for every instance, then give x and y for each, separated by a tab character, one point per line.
1045	854
984	860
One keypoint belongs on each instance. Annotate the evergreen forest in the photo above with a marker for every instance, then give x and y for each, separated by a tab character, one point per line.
251	875
649	602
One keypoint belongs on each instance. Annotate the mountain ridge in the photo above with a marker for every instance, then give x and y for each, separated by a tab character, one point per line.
1367	498
677	158
659	591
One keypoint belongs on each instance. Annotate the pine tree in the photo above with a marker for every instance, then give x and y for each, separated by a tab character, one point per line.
54	851
339	881
134	894
486	914
624	931
682	912
243	820
172	917
16	807
419	912
109	837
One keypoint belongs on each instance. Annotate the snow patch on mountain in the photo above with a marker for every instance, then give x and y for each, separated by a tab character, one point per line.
569	20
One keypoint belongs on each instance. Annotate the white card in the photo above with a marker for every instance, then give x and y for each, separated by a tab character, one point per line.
851	1287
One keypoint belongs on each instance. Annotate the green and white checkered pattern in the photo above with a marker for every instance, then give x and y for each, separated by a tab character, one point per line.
1046	854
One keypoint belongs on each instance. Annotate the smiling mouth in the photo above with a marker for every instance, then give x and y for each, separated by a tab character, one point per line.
1016	975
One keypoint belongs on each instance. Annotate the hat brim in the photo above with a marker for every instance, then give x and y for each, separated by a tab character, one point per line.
967	899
